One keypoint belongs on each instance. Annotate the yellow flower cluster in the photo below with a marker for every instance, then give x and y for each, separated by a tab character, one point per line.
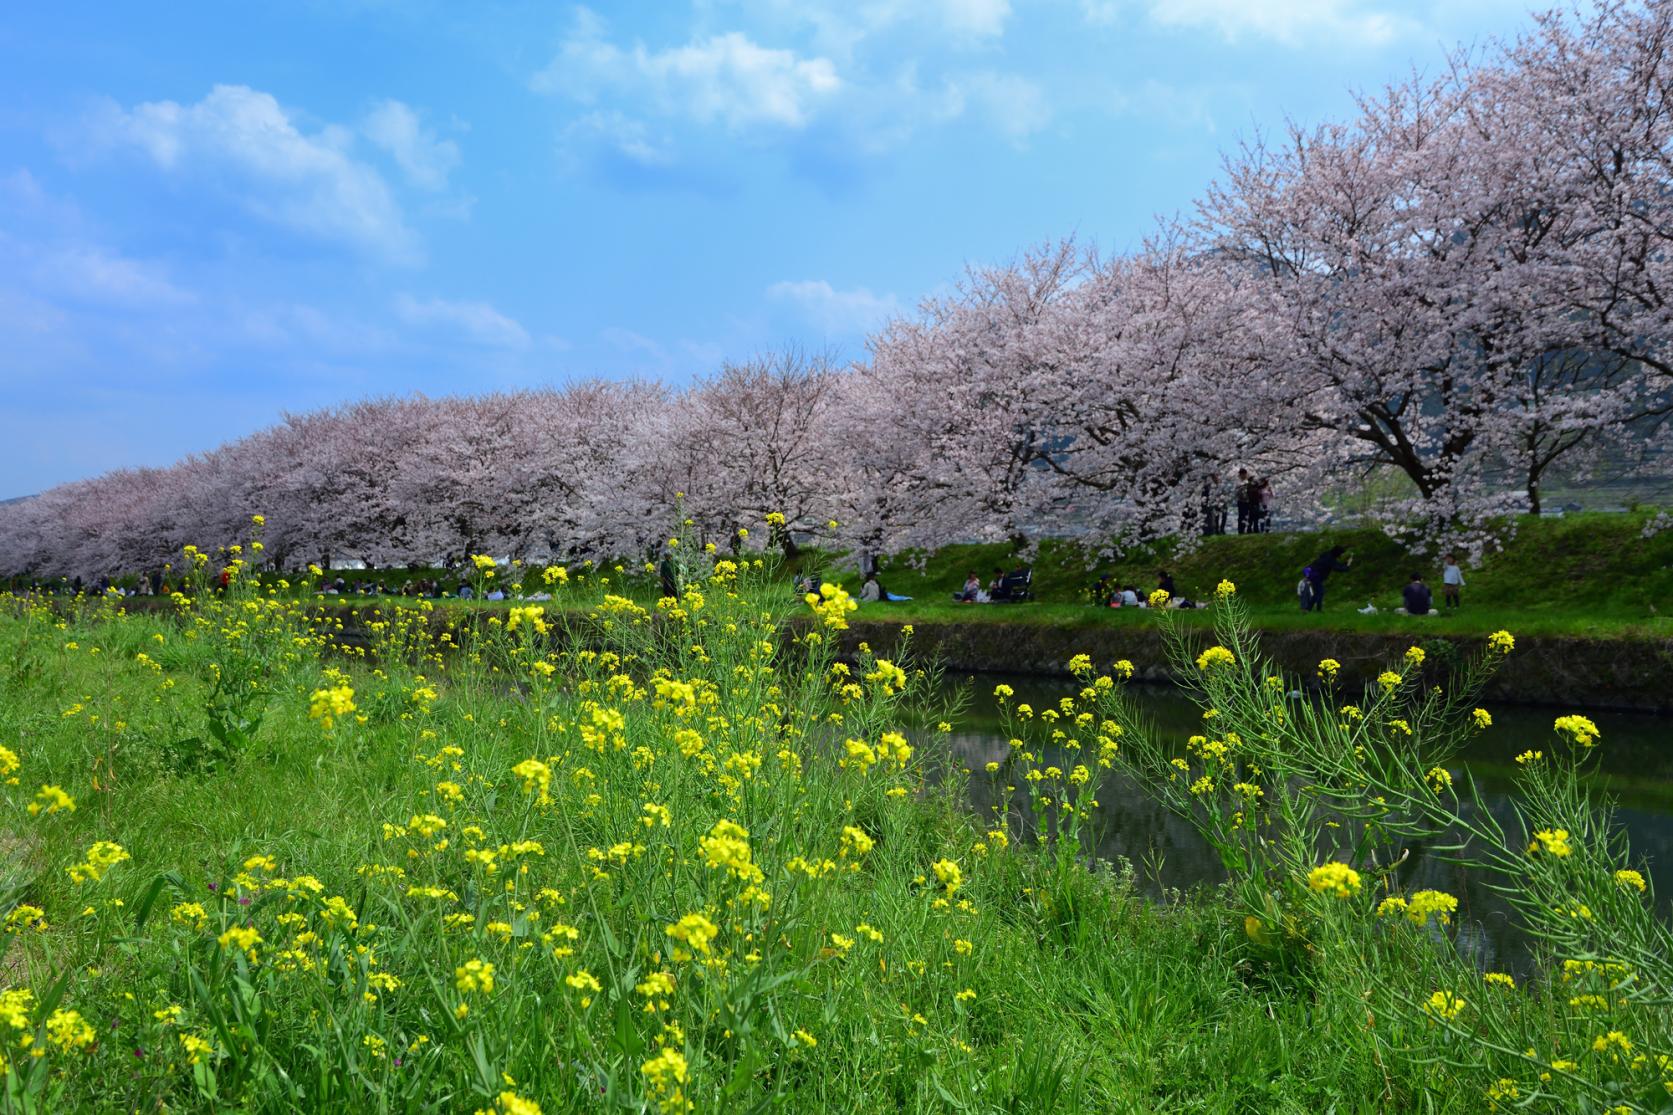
51	799
948	874
666	1075
1422	906
1334	878
330	704
1578	730
510	1103
694	931
726	848
1628	878
1444	1006
1215	656
101	857
832	605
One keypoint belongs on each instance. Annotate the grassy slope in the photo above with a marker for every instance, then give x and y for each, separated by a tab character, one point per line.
1111	1004
1581	575
1589	575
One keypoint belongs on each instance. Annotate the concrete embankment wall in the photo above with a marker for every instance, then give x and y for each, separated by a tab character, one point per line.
1574	673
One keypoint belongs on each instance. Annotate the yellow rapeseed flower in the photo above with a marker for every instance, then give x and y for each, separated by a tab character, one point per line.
1334	878
1215	656
51	799
694	930
474	976
510	1103
1444	1006
329	705
68	1031
949	875
1578	730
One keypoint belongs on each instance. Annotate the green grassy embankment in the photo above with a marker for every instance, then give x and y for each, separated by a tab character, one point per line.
1592	576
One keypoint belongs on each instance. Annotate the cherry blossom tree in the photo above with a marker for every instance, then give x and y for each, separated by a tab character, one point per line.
761	441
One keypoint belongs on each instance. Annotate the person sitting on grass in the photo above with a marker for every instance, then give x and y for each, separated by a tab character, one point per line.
1418	600
972	592
873	591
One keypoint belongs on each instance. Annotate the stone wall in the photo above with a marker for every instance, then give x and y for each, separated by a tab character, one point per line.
1572	672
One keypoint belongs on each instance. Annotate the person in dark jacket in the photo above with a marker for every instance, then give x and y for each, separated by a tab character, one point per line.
1418	598
1323	566
1248	499
1164	581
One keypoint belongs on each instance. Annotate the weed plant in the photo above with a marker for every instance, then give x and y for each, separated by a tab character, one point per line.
608	856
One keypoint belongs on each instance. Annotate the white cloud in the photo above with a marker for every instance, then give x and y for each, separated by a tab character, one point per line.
45	243
627	136
836	311
839	26
727	79
1103	13
1290	22
246	143
302	328
1015	105
478	322
87	273
425	159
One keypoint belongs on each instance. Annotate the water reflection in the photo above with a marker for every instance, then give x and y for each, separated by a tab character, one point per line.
1636	765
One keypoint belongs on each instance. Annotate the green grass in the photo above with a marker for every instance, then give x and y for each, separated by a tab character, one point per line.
1073	993
1590	575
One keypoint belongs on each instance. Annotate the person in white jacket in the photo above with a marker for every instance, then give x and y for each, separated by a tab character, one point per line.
1452	581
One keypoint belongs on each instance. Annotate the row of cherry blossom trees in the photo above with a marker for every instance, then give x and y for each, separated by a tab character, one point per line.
1466	287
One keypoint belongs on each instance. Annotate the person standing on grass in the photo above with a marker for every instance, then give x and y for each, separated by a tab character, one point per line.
1323	566
1452	581
1248	500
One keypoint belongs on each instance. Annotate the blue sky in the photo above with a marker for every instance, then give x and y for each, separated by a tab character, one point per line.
212	213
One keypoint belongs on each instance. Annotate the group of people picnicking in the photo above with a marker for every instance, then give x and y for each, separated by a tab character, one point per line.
1003	588
1106	592
1416	598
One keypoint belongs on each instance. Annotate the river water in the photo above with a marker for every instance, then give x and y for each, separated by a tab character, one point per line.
1635	762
